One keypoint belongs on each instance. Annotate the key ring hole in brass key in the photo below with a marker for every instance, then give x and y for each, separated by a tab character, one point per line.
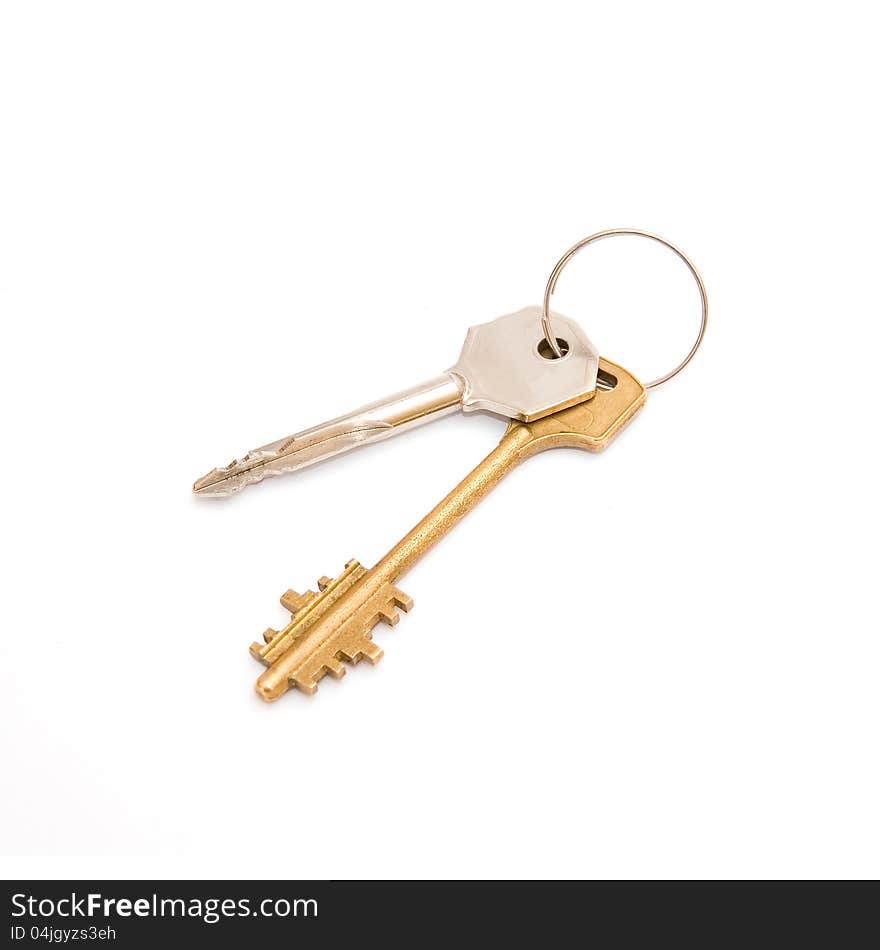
548	353
556	351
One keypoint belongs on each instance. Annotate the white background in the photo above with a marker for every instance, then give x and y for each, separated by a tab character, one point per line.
223	222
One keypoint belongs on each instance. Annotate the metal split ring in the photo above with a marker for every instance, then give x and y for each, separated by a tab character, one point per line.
569	254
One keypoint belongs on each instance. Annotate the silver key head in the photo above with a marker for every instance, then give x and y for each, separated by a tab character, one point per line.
506	366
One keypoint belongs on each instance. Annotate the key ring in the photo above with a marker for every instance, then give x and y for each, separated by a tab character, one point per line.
550	337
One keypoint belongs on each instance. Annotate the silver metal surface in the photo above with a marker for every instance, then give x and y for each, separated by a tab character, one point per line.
549	335
502	369
372	423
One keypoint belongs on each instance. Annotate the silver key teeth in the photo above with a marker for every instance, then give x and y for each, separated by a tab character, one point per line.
370	423
227	480
239	473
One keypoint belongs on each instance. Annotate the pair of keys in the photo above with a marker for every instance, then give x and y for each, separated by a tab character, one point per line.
534	367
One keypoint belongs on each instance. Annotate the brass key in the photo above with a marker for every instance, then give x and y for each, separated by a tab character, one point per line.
335	623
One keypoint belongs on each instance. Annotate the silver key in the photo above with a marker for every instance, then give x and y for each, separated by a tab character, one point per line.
505	367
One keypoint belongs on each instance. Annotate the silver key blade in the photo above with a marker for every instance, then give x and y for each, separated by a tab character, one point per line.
371	423
501	369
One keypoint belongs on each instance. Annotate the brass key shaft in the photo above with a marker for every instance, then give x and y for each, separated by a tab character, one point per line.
589	425
337	623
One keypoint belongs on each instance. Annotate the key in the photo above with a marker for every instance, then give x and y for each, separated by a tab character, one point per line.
335	623
505	367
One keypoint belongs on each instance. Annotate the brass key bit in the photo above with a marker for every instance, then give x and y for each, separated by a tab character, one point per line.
306	648
336	623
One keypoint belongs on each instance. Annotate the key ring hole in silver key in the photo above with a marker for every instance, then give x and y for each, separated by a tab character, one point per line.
548	353
549	338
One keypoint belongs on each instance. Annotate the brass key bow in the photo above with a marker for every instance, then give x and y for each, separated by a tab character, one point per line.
335	623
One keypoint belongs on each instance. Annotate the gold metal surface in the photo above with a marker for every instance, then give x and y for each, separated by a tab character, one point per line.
336	623
309	646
